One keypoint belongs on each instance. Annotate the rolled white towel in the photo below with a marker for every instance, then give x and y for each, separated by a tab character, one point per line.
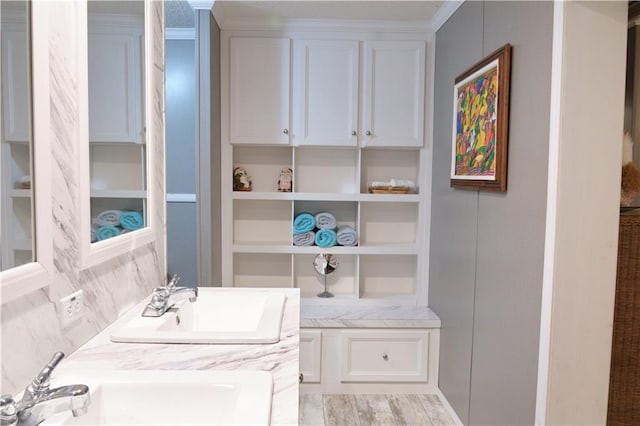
305	239
326	220
347	236
108	218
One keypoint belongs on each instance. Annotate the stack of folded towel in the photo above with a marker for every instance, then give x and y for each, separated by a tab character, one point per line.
111	223
322	230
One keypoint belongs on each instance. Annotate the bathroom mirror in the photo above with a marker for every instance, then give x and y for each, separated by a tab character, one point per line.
25	227
115	200
16	194
117	150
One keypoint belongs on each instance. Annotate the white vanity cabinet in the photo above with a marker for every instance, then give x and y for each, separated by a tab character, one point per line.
393	94
326	92
259	90
115	81
357	359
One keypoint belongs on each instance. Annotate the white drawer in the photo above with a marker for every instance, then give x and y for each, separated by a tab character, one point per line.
310	355
384	356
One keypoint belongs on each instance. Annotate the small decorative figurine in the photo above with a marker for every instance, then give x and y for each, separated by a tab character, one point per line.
285	182
241	180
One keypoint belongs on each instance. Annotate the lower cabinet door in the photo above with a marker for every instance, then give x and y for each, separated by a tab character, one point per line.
310	355
384	356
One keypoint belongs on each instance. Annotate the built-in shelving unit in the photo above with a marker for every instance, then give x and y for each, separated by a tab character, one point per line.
326	122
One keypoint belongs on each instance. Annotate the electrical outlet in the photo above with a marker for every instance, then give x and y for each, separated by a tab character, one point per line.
71	308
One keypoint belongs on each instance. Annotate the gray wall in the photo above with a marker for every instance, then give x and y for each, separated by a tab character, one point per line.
487	248
181	169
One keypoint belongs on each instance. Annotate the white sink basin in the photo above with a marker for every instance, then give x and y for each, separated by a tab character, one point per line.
218	316
171	398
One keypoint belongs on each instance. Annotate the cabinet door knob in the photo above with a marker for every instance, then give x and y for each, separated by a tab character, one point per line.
385	357
285	131
368	133
300	378
353	133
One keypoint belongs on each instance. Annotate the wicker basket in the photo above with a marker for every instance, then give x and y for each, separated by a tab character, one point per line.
389	189
624	381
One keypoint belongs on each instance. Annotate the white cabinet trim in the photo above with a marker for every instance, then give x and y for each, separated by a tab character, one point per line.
314	337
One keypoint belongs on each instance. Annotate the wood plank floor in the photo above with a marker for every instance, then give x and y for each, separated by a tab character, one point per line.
372	410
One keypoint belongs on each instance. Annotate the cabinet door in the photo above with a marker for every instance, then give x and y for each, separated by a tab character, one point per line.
326	92
393	94
115	86
259	90
15	98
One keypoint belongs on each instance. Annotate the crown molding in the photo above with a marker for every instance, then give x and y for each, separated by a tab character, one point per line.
201	4
259	24
445	12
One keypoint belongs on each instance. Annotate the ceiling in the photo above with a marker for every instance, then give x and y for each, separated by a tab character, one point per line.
370	10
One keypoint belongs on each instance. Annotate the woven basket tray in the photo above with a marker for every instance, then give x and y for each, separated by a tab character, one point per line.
389	189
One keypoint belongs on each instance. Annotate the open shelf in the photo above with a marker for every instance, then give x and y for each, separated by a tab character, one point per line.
326	170
342	282
263	164
262	270
117	167
262	222
387	276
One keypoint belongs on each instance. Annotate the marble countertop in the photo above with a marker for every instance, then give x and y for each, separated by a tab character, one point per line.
371	316
280	359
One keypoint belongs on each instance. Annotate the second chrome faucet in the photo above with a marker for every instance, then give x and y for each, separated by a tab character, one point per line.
163	298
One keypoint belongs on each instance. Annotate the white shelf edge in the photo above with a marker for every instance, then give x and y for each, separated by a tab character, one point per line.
320	196
399	249
108	193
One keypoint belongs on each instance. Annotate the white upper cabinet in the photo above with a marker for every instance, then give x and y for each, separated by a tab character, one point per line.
15	83
393	94
326	92
115	82
259	90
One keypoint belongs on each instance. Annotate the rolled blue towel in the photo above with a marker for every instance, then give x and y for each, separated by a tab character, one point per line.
302	223
131	220
304	240
326	238
94	229
347	236
108	218
326	220
106	232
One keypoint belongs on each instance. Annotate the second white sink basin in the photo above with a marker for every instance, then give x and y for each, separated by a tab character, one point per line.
219	315
171	398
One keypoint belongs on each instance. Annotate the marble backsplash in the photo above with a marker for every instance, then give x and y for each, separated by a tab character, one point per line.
31	331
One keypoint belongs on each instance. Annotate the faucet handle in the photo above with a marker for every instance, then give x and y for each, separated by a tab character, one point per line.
173	281
8	410
41	381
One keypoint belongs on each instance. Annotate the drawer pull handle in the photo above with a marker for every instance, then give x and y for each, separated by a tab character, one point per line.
385	357
300	378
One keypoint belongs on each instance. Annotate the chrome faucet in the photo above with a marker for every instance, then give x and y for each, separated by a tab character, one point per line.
163	298
39	402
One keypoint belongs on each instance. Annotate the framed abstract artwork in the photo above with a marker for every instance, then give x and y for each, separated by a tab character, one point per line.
481	124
